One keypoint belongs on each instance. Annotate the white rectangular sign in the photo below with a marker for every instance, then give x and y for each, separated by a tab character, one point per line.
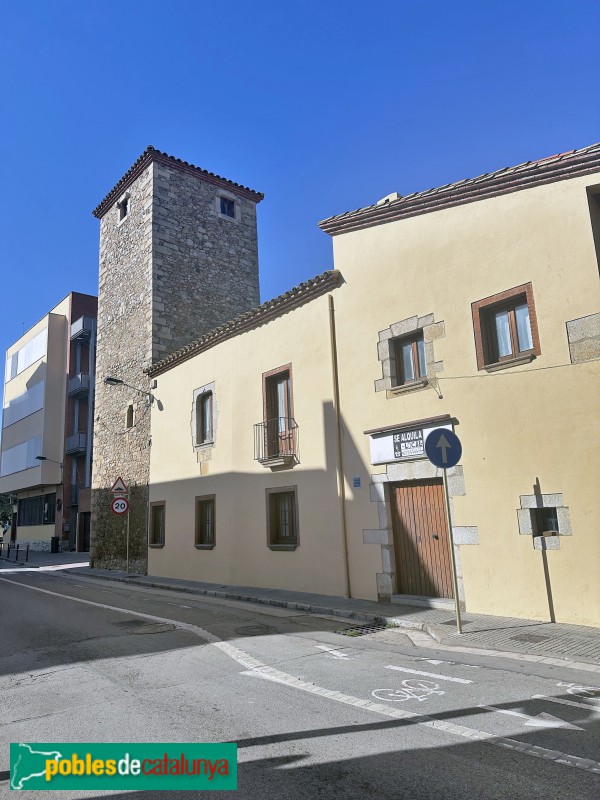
400	445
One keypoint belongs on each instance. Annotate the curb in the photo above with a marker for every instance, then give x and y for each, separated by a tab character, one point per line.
430	629
267	601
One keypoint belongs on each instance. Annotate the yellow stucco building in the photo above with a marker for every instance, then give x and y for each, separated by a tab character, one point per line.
288	445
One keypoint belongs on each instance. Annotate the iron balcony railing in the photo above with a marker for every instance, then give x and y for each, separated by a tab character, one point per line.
276	439
76	444
79	384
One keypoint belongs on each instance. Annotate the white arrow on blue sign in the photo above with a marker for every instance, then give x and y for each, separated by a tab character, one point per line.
443	448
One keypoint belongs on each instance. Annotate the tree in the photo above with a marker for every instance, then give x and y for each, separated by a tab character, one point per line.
6	508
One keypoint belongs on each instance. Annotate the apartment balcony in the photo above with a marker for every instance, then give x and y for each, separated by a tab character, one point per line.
76	444
79	385
83	328
276	442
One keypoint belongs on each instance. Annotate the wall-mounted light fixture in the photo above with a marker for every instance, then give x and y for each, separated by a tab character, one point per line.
52	461
109	380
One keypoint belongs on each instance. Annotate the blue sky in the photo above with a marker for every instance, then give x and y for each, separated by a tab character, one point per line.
323	106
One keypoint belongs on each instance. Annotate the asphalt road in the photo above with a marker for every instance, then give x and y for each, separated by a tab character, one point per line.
316	714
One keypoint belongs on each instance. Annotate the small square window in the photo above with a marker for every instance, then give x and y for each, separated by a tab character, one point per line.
205	522
227	207
282	518
157	524
508	330
410	359
544	520
505	327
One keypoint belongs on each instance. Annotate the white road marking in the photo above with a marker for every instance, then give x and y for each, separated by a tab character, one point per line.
541	721
411	690
436	662
257	669
429	674
52	568
580	691
563	702
333	652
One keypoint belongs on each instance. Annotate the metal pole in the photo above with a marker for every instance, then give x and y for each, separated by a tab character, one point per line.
452	557
128	541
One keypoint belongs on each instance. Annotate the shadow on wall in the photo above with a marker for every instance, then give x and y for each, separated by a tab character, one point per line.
318	501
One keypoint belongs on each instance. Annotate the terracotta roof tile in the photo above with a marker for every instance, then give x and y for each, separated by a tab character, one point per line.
508	179
149	155
298	296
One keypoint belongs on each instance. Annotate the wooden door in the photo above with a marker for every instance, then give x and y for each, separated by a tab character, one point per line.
421	539
279	415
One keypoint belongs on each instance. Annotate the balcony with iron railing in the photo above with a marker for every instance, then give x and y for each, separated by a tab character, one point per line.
79	385
76	444
276	442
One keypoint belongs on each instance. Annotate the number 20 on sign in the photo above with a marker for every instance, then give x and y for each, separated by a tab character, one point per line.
120	505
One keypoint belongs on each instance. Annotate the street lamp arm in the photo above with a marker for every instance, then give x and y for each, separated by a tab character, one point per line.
109	380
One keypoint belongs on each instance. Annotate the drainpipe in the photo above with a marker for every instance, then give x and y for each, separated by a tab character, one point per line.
90	419
340	459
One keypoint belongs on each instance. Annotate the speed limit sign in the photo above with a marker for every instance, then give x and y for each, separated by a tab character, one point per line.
120	505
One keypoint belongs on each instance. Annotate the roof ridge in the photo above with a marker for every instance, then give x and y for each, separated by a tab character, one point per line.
337	222
307	290
151	154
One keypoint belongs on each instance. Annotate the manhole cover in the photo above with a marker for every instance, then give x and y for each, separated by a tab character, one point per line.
529	637
141	627
363	630
132	623
255	630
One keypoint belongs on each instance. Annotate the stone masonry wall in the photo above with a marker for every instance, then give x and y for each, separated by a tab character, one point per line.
171	270
205	265
124	333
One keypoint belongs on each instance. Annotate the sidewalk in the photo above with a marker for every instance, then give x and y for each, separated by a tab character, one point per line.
530	638
42	559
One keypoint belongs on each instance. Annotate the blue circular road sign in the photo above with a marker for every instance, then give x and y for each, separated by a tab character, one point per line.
443	448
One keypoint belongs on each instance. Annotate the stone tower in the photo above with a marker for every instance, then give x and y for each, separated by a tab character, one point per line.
178	257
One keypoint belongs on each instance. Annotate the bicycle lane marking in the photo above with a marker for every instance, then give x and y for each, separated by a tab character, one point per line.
411	690
256	668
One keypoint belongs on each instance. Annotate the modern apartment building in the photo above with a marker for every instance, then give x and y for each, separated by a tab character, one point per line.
47	423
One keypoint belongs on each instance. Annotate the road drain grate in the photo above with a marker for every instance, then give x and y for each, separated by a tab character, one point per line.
363	630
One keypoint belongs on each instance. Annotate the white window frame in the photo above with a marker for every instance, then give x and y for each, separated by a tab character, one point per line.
208	388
